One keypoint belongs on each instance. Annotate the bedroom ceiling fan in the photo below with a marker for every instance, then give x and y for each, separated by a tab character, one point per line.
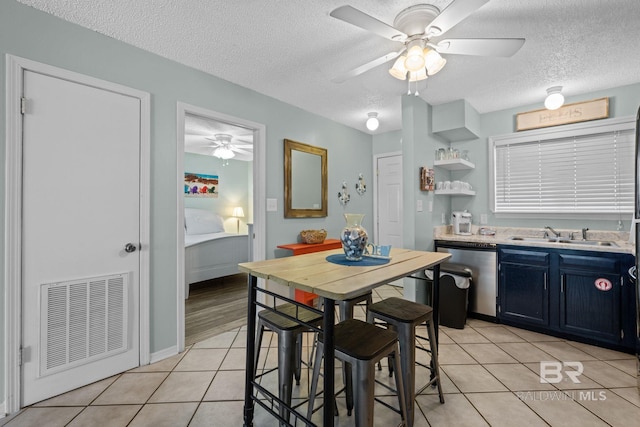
416	27
224	149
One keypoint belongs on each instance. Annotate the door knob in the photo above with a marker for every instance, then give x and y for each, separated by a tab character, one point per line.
130	247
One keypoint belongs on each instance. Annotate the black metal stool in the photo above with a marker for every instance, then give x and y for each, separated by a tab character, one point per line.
361	345
345	312
404	316
289	345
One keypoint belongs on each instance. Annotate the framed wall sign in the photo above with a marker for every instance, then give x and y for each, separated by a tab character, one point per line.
570	113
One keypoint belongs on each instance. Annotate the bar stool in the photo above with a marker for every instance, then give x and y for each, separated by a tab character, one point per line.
345	311
361	345
289	345
404	316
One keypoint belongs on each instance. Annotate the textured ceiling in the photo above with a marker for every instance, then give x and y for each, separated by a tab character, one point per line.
291	49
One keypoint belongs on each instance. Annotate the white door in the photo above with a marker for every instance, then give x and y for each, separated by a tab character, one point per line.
81	207
389	189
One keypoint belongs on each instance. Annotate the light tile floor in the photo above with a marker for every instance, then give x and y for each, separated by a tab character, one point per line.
490	375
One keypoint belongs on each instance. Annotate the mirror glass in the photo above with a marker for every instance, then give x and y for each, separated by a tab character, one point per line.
305	187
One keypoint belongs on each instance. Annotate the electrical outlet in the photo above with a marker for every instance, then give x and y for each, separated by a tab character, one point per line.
444	218
272	205
430	205
483	219
419	205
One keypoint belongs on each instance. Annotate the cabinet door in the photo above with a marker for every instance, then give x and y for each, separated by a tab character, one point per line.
590	296
524	293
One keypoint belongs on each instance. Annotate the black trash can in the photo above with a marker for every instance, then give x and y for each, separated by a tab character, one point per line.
455	280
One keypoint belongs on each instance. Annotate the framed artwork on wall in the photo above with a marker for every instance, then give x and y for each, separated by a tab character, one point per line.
201	185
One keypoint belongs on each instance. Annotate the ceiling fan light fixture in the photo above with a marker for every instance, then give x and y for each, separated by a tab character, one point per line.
399	71
415	56
223	153
373	122
554	99
433	61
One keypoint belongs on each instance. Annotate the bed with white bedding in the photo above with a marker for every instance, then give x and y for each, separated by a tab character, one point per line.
210	252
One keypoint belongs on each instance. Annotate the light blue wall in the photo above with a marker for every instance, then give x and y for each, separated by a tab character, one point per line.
31	34
233	188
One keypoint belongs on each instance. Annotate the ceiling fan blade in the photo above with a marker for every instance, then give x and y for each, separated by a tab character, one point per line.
451	15
366	67
360	19
241	151
480	47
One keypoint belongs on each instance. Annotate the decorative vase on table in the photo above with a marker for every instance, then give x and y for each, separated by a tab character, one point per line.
354	237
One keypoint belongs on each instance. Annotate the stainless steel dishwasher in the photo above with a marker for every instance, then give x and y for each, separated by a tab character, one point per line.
482	259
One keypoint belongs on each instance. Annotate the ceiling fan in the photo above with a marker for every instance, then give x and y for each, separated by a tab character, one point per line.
416	27
224	149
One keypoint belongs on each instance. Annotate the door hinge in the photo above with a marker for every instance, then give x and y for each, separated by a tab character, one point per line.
23	105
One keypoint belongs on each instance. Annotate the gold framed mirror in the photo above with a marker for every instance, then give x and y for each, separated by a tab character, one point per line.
305	180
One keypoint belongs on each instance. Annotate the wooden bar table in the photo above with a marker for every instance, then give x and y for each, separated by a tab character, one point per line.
333	282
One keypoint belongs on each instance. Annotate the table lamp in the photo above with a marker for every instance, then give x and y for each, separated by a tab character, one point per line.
238	213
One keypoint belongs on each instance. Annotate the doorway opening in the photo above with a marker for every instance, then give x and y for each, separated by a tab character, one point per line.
200	133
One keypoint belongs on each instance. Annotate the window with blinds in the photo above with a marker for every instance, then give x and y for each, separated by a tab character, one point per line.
583	168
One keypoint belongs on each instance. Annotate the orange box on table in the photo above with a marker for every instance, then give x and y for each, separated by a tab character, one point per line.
307	248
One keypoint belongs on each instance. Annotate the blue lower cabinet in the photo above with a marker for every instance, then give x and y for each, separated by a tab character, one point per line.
579	295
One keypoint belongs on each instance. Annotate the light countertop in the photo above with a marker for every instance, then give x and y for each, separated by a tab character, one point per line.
503	237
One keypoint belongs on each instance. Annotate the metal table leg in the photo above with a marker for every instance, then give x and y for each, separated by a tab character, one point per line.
435	300
329	362
249	368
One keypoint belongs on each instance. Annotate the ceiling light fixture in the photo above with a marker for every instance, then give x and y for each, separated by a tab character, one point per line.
554	99
372	121
223	151
419	63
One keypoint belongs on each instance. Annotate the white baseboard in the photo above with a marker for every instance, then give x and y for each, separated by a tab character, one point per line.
3	413
163	354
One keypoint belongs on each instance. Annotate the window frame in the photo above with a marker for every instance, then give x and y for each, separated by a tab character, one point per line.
564	131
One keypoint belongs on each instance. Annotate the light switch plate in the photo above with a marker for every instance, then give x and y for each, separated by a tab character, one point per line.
272	205
419	205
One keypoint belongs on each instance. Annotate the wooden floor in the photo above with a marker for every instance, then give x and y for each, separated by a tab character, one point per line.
215	306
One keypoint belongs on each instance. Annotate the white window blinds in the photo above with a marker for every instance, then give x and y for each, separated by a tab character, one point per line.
579	171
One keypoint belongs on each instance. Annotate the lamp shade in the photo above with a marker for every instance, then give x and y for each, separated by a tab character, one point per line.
399	71
433	61
238	212
223	153
372	121
554	99
415	58
416	76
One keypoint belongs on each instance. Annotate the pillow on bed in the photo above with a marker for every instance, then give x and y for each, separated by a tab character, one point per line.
200	221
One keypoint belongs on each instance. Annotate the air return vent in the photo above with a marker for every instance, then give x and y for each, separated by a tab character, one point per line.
82	321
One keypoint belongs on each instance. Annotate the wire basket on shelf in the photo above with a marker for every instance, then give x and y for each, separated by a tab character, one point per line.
313	236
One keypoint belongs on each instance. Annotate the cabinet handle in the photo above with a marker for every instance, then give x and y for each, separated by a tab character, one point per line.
562	283
545	280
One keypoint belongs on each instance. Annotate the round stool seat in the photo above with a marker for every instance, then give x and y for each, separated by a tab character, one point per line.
402	310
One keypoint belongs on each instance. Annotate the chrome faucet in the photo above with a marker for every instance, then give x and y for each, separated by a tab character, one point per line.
551	230
584	233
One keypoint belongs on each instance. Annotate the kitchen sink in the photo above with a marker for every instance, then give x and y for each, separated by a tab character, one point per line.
571	242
